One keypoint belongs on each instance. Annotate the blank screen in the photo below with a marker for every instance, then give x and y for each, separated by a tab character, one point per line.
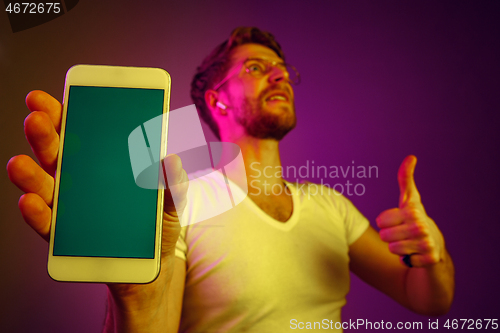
101	211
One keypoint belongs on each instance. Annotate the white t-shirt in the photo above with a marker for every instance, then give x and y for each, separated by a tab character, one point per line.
247	272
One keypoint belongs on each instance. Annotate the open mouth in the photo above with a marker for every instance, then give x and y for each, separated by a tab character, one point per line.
277	97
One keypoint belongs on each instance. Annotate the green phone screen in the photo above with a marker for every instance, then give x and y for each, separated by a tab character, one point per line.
101	211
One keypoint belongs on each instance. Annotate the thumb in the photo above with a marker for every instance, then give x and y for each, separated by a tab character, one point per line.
177	185
408	192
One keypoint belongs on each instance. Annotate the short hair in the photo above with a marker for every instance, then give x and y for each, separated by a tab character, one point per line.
215	66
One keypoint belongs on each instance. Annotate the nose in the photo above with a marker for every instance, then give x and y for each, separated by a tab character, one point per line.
278	75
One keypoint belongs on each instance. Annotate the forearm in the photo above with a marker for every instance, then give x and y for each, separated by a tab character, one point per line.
430	289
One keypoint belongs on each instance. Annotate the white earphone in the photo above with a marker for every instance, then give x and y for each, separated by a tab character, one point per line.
220	105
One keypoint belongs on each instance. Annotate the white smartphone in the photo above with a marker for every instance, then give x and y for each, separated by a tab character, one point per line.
105	228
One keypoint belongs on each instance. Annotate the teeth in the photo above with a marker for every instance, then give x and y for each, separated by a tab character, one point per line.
279	97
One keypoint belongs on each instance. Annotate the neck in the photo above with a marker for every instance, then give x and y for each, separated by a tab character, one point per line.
262	162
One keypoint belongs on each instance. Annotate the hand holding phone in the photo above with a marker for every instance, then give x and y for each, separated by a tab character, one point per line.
42	129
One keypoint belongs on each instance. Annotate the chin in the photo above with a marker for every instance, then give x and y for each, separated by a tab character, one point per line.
268	121
271	126
282	108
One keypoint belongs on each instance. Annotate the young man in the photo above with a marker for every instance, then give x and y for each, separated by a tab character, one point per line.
279	254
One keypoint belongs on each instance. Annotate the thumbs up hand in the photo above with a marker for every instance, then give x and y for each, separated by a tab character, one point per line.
408	230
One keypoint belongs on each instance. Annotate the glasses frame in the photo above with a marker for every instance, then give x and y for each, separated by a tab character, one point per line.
269	64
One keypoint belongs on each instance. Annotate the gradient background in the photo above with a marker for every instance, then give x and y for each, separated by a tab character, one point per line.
380	80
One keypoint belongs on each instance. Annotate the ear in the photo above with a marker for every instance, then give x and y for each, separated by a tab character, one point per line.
211	99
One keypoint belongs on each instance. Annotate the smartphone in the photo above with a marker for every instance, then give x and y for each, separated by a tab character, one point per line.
105	228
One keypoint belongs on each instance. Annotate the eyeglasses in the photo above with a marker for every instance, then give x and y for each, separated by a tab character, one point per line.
258	68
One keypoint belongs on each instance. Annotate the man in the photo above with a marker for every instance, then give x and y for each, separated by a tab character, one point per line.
279	254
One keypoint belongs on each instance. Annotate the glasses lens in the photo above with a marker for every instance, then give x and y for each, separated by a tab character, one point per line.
293	74
260	67
256	67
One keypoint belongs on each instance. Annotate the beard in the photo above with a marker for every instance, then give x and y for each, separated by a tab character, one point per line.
265	124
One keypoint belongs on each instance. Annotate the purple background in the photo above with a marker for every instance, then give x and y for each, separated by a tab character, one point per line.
380	80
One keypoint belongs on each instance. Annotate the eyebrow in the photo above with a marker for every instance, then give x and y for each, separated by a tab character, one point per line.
280	61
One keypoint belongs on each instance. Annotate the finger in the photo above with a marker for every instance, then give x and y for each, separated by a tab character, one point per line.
389	218
412	230
407	188
170	235
422	260
396	233
43	139
38	100
30	177
419	246
178	182
172	168
36	213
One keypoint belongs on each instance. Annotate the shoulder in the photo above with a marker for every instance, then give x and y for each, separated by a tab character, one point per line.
327	198
206	176
207	184
208	195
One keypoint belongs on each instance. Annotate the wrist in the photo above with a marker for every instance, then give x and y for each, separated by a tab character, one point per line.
137	297
140	307
136	308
